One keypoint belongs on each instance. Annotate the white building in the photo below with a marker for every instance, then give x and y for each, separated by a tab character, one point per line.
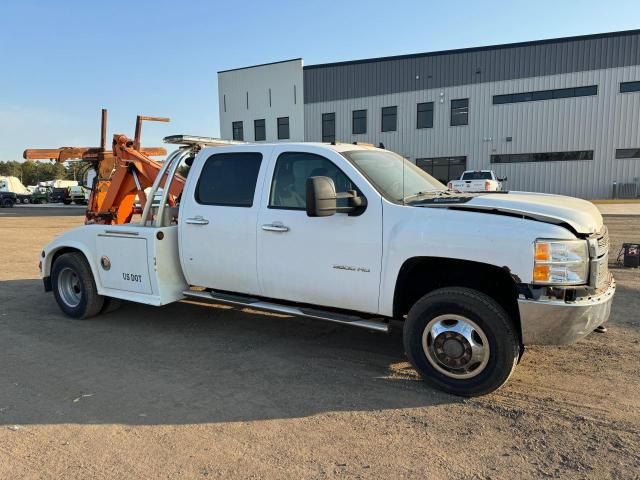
558	116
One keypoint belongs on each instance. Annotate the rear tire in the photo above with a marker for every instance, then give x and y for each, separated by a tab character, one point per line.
110	305
74	287
461	341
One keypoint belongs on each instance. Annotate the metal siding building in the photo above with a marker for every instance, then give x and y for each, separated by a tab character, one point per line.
598	123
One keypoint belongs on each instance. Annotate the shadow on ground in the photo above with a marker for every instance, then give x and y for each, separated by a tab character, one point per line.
186	363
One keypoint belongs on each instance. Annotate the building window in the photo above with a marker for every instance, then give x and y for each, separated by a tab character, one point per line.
259	130
628	153
546	95
443	168
626	87
328	127
283	128
238	131
460	112
425	115
389	119
359	124
542	157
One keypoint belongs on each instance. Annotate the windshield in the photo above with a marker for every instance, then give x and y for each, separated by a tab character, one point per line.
385	170
476	176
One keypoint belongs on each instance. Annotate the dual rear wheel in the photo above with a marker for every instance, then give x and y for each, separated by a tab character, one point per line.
75	289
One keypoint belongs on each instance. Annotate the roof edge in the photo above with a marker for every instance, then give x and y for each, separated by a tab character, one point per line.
501	46
259	65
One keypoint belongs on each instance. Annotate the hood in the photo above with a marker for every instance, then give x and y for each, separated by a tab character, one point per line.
581	215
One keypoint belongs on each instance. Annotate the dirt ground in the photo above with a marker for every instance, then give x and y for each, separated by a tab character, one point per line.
195	391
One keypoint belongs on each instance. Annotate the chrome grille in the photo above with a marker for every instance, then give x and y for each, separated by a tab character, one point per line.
603	243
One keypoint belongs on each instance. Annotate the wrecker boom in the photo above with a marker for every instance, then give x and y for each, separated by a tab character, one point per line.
121	173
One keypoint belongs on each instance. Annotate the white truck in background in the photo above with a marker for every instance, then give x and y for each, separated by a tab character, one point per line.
359	236
477	181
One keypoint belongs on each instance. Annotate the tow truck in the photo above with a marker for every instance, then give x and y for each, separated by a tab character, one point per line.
351	234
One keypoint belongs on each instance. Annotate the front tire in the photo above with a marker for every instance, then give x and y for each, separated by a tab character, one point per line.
461	341
74	287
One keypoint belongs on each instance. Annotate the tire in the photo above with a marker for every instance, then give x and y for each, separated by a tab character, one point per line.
25	201
7	202
475	347
74	287
110	305
67	202
42	201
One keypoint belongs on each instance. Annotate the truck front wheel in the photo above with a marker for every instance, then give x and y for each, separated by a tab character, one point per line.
461	341
74	287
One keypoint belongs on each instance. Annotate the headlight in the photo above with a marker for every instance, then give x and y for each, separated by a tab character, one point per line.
563	262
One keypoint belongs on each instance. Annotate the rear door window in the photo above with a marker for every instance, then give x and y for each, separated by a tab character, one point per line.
229	179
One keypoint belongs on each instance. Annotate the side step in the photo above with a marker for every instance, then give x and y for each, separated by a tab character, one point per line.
306	312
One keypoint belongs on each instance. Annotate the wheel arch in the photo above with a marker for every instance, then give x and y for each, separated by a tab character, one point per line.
421	275
56	252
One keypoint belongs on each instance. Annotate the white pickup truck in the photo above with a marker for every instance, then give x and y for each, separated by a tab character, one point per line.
477	181
356	235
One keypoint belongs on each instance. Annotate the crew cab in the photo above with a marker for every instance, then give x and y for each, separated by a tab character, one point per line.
477	181
359	236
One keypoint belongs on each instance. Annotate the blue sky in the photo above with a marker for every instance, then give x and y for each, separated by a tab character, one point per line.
62	61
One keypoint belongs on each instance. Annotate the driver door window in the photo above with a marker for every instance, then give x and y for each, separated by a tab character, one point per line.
288	188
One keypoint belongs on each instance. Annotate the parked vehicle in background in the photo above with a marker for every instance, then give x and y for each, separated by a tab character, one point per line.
41	195
477	181
8	199
57	195
359	236
75	194
23	197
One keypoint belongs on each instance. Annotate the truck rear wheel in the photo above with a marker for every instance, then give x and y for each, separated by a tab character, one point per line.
74	287
461	341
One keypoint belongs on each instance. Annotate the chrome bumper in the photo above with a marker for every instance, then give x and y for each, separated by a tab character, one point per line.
557	322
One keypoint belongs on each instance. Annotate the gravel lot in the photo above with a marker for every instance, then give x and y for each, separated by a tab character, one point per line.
198	391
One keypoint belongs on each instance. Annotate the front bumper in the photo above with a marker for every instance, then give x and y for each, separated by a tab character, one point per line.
559	322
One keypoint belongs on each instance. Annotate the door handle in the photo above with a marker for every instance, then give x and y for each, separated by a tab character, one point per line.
270	227
198	220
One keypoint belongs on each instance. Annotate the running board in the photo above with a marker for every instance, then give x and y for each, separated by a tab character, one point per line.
306	312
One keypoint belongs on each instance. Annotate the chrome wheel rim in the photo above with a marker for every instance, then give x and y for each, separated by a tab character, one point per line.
455	346
69	287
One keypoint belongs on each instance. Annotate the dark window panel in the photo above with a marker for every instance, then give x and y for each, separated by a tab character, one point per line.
542	157
626	87
238	131
389	119
283	128
328	127
259	128
545	95
359	125
425	115
460	112
229	179
443	168
628	153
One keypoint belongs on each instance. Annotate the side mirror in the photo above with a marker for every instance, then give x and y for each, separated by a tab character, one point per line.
321	197
503	179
